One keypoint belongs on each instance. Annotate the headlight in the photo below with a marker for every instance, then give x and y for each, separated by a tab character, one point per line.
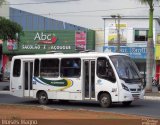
141	87
143	83
125	87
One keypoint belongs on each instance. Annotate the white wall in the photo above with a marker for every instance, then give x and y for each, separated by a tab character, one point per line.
157	30
99	37
132	24
4	11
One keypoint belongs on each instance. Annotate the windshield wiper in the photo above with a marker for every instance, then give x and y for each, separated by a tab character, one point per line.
131	80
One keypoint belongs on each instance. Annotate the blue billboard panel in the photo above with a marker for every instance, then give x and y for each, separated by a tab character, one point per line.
133	52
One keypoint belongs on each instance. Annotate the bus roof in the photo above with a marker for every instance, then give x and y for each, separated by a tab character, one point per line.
61	55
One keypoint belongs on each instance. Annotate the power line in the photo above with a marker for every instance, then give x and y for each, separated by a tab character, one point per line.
86	11
106	10
102	10
62	1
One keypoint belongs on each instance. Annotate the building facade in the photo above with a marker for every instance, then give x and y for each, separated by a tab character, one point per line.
133	38
157	54
4	12
42	34
41	42
34	22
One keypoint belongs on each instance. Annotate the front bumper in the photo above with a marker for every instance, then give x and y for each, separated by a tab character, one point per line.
129	96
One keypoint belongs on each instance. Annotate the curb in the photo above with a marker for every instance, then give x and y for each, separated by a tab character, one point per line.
155	98
4	92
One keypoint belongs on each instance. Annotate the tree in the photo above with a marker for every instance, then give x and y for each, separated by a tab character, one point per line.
150	46
9	29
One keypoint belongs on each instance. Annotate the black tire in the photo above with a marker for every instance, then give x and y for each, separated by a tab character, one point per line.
105	100
128	103
43	98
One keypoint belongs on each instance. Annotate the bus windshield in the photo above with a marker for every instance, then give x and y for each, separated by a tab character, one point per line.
126	68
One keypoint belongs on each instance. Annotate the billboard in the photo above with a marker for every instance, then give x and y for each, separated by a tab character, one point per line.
158	39
157	52
112	34
12	44
38	42
80	40
133	52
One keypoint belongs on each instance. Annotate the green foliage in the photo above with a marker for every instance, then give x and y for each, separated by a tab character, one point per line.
148	2
151	9
150	45
9	29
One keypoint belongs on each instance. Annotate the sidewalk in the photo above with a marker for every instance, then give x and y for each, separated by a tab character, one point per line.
154	95
4	92
4	85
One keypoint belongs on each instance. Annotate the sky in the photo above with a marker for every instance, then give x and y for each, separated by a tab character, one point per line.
86	13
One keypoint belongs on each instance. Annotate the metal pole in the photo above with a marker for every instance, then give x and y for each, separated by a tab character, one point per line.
104	34
118	34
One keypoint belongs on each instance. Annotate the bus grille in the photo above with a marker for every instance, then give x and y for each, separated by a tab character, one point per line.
135	90
136	96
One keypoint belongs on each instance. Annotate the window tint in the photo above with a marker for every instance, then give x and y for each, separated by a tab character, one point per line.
16	68
125	67
141	35
70	67
36	67
104	69
49	68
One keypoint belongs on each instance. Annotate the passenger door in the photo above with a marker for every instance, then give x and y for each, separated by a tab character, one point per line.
106	78
16	83
28	74
89	79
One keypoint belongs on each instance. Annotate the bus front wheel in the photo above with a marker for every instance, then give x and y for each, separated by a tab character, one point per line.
105	100
43	98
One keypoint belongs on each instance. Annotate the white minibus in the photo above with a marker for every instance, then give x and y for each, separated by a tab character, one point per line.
103	77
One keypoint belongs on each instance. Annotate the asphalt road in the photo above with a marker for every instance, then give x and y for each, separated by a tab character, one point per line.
4	85
141	107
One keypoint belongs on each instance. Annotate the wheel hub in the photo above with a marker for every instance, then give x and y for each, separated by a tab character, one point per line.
104	100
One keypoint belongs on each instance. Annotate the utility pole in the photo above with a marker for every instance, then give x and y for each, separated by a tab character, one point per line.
117	25
118	34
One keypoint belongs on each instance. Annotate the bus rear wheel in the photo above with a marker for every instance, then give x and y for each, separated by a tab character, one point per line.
105	100
43	98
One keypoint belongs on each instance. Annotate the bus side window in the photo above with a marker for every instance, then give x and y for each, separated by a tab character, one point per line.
17	68
70	67
104	69
49	68
36	67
